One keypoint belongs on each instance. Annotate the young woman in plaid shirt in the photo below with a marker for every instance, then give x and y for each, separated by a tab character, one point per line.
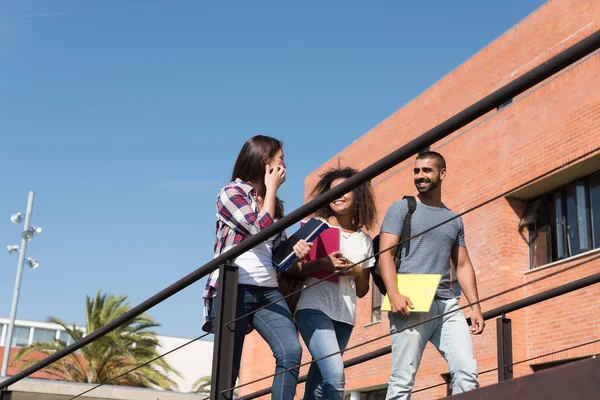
244	207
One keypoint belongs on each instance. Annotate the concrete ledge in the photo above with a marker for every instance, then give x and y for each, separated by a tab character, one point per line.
38	389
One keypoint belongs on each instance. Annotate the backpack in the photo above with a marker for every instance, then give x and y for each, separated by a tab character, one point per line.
376	271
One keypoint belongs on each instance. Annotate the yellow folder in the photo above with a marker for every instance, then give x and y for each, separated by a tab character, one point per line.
419	288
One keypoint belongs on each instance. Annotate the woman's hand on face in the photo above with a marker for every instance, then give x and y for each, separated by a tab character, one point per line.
274	177
282	174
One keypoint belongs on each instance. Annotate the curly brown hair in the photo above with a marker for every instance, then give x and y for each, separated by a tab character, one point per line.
364	209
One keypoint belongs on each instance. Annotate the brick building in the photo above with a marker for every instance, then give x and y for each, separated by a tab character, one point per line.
542	228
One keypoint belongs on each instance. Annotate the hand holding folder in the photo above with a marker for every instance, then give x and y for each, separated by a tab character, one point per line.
419	288
284	255
326	244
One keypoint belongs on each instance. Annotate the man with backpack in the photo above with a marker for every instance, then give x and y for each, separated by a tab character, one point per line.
430	253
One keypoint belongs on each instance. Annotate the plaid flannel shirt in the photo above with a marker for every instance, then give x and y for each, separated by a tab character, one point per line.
238	217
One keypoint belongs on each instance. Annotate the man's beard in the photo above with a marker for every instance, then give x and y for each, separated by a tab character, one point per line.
432	185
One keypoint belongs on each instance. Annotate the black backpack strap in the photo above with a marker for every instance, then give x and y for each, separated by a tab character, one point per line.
412	206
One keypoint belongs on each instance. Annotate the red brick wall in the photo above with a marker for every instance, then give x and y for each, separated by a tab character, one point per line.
12	369
543	128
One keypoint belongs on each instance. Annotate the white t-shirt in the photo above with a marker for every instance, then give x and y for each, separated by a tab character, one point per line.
256	266
338	300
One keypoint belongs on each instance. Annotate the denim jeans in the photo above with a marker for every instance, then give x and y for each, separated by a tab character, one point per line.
449	334
275	325
323	336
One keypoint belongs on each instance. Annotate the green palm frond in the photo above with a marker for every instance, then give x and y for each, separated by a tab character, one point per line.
129	346
202	385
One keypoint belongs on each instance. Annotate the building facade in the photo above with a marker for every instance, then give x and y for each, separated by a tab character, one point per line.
193	361
549	225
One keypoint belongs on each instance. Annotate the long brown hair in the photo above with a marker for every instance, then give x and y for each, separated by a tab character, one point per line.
252	160
364	210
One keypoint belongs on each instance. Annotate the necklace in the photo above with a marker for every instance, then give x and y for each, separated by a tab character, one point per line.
346	235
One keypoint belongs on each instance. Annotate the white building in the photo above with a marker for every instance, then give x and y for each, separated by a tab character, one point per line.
192	361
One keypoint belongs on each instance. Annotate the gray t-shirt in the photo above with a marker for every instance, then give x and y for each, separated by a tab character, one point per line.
429	253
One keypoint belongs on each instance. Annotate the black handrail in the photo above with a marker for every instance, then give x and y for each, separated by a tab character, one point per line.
463	118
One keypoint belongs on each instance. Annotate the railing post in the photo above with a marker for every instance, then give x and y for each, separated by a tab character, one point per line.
505	359
6	395
223	346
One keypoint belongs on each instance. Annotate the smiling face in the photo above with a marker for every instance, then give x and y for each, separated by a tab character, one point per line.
344	204
427	175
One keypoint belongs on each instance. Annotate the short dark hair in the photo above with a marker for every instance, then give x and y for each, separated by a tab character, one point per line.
432	155
252	160
364	209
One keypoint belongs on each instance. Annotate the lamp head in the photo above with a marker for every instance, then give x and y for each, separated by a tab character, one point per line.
12	248
16	218
33	264
31	232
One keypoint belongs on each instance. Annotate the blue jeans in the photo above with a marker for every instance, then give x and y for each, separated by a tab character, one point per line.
449	334
275	325
323	336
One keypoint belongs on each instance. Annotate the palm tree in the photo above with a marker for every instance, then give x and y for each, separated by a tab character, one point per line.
127	347
202	385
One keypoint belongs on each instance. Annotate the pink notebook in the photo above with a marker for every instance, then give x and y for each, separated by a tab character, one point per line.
326	243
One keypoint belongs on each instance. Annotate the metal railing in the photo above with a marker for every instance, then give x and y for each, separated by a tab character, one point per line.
228	277
503	331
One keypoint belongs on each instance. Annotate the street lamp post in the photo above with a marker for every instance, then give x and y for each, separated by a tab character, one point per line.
26	236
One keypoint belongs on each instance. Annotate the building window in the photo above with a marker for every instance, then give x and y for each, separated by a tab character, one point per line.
595	208
20	337
43	335
65	337
3	332
374	395
376	303
564	222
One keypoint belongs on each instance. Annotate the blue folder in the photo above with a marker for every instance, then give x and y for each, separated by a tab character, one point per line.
283	255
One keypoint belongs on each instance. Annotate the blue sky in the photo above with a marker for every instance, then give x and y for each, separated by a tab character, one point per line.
125	118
